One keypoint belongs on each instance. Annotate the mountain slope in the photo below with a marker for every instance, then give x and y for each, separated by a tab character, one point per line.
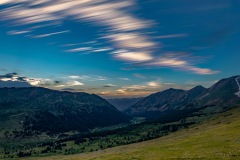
172	101
222	94
48	110
123	104
217	138
165	101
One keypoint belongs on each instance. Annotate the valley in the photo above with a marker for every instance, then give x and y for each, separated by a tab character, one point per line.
215	138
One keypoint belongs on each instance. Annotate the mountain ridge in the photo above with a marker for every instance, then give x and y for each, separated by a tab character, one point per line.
221	95
61	110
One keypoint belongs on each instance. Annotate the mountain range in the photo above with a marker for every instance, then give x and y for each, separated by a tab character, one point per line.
217	98
48	110
45	110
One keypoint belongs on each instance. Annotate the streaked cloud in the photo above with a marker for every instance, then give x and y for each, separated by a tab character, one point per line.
109	85
50	34
180	61
123	29
153	84
86	78
173	36
81	49
102	50
124	79
139	75
70	84
14	32
134	56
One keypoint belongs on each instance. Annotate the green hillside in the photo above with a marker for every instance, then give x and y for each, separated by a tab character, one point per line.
217	138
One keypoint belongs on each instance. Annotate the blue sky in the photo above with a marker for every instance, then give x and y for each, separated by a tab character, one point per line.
126	48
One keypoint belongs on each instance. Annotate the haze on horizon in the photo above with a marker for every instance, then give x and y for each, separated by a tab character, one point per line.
127	48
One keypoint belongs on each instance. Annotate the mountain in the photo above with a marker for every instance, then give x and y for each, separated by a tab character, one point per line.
175	102
164	101
46	110
222	94
123	104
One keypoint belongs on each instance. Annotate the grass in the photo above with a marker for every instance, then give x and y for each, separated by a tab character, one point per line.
217	138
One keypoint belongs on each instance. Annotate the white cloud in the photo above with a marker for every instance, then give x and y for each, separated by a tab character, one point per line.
169	62
18	32
124	79
6	79
50	34
153	84
123	29
70	84
80	49
102	50
134	56
75	83
74	77
200	70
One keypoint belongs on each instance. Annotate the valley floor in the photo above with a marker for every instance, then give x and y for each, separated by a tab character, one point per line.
218	138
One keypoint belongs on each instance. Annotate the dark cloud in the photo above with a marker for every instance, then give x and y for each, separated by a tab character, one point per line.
57	82
108	86
13	80
8	75
72	90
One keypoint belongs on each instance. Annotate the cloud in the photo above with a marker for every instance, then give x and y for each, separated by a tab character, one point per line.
43	82
86	77
14	32
74	77
153	84
102	50
147	87
50	34
109	85
124	79
173	36
124	30
70	84
134	56
13	80
200	70
169	62
75	83
80	49
139	75
180	61
122	26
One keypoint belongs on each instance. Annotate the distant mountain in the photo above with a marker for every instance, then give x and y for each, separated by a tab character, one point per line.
43	109
123	104
221	96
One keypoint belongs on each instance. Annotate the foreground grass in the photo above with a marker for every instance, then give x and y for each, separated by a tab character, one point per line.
218	138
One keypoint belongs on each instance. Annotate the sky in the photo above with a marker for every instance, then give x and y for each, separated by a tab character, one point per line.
118	48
